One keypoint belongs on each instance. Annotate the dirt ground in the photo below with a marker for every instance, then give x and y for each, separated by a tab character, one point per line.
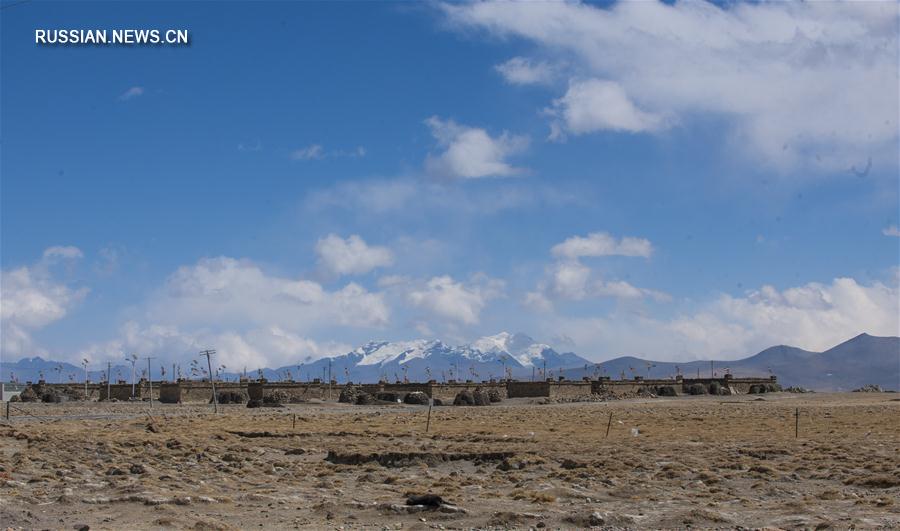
701	462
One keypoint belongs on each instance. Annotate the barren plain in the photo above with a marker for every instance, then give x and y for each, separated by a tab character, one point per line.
700	462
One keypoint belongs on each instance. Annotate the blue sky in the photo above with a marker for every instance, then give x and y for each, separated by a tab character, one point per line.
305	177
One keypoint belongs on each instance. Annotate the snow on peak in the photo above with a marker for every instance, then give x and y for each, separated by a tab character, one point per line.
379	353
497	343
519	346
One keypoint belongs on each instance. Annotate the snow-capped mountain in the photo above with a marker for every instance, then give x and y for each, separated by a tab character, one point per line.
418	360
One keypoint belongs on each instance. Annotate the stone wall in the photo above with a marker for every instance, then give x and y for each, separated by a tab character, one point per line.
191	392
201	392
446	392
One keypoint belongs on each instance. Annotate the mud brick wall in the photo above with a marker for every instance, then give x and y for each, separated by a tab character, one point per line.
170	393
122	392
569	389
527	389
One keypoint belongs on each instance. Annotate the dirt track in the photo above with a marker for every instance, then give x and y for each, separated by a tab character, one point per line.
704	462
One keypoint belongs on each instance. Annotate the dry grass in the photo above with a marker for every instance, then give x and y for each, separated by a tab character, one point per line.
705	462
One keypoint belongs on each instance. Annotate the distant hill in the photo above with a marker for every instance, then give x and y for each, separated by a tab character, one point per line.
859	361
862	360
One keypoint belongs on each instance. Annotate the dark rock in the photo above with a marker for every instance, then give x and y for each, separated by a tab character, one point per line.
429	500
254	403
666	390
275	397
387	397
697	389
51	397
348	395
229	397
114	471
364	399
417	398
464	398
28	395
481	397
137	468
494	395
569	464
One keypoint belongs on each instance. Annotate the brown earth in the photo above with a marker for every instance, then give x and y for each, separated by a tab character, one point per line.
703	462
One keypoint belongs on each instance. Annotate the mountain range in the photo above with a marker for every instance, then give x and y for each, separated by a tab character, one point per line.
861	360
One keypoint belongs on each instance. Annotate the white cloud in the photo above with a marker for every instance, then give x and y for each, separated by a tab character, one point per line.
311	152
270	346
524	71
316	152
131	93
620	289
569	280
454	300
470	152
351	256
770	68
249	316
234	292
31	299
406	196
891	230
537	301
67	252
602	244
595	105
813	316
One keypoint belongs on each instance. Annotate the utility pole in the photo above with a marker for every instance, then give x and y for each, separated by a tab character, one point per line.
208	353
133	360
150	380
84	362
329	378
108	385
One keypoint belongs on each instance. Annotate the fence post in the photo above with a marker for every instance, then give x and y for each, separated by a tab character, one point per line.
608	424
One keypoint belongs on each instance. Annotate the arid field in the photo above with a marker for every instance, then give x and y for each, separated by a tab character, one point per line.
701	462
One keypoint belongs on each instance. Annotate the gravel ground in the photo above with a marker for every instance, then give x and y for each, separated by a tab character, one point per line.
703	462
